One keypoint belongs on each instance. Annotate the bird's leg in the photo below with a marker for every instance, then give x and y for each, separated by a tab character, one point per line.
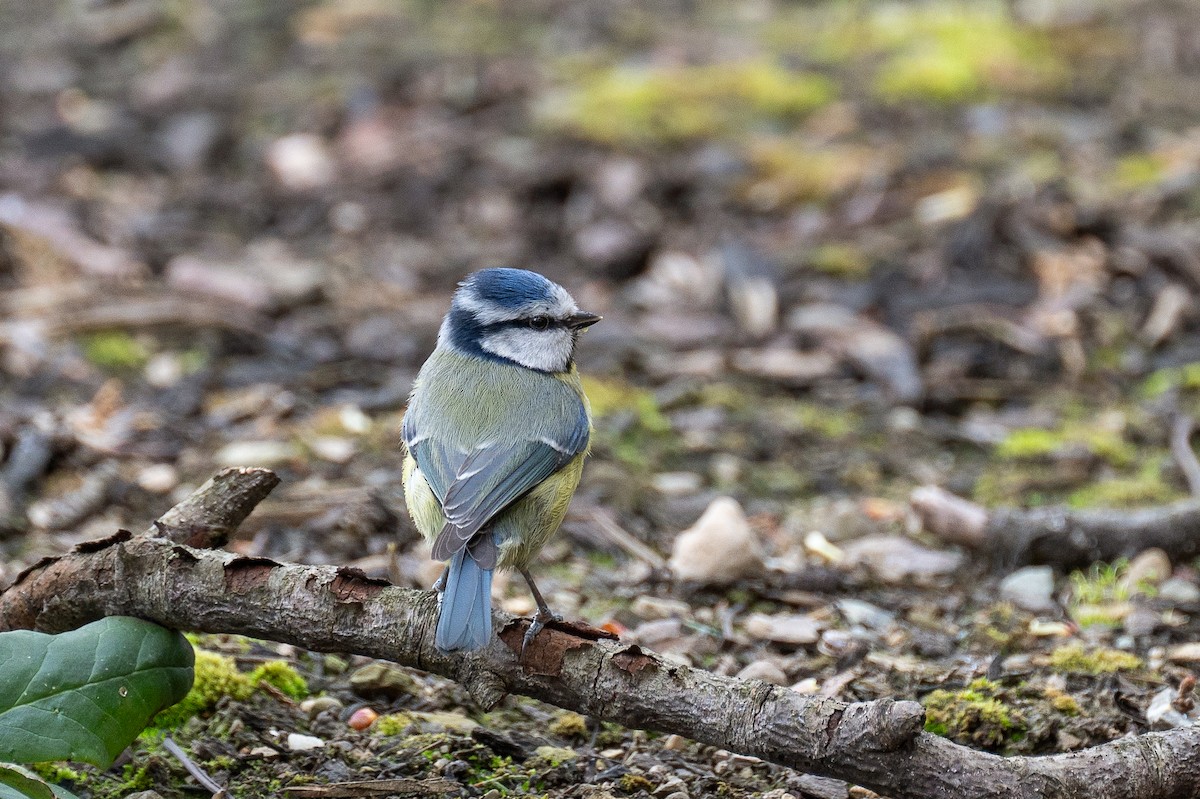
543	616
439	585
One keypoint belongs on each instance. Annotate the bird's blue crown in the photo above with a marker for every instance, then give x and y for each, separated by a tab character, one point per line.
509	288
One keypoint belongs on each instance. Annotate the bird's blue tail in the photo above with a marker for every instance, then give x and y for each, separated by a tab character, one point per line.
465	618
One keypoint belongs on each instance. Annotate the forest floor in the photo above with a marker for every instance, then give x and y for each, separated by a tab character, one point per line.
843	250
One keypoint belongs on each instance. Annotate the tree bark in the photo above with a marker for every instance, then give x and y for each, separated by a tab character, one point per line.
877	744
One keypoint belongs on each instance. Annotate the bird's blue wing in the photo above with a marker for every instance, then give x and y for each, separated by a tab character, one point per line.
496	474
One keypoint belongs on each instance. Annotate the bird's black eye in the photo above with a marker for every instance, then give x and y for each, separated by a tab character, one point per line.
539	322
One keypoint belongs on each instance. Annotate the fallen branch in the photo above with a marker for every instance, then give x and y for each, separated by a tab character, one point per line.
877	744
1059	536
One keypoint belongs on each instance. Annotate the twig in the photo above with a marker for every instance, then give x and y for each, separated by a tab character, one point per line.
214	511
435	786
197	773
1181	449
622	538
1059	536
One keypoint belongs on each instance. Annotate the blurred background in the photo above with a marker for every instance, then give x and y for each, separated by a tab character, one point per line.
843	248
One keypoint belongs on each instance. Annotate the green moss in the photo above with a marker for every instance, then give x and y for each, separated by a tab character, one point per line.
1138	171
55	772
788	171
569	725
1075	659
550	757
633	783
1035	442
677	104
1161	381
217	676
392	723
839	259
1062	702
949	52
281	675
1102	582
973	715
114	350
1146	487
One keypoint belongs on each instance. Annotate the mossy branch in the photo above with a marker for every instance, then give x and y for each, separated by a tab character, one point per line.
876	744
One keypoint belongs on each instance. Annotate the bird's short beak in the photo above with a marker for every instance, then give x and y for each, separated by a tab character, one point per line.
582	319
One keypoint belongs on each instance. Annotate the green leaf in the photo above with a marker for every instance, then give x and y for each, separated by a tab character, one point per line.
16	784
86	694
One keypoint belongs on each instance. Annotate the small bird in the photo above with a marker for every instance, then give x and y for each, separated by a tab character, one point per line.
497	428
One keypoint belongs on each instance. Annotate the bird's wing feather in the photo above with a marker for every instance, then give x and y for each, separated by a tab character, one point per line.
495	475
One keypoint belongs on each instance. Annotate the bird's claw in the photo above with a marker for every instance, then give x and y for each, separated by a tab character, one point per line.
536	626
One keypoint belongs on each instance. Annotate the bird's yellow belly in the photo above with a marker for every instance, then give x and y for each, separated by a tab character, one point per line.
523	527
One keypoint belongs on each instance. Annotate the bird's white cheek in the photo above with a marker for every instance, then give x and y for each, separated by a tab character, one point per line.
544	350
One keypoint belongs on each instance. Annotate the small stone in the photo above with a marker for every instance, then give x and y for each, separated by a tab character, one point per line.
675	743
1187	654
1161	712
815	543
764	670
443	720
1030	588
670	787
653	607
264	752
334	449
362	718
856	611
301	162
1147	570
144	795
785	628
158	478
719	548
808	685
1179	591
1141	621
382	679
316	705
895	559
303	743
256	453
677	484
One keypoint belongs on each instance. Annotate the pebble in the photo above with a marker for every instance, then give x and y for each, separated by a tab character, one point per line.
1148	568
158	478
264	752
1179	591
763	670
785	628
145	795
895	559
1163	715
256	453
362	718
301	162
1141	621
1188	653
303	743
653	607
1030	588
382	678
856	611
677	484
815	543
719	548
316	705
335	449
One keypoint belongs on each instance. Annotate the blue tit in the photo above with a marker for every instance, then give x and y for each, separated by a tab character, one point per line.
496	429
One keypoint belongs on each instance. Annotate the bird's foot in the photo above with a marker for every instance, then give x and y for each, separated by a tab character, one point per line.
538	624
